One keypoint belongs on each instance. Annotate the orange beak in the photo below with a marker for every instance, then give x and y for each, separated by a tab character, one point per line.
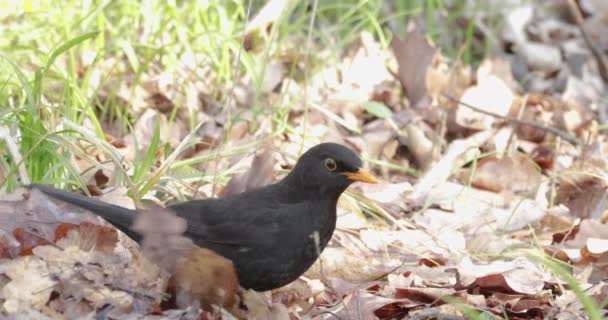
360	175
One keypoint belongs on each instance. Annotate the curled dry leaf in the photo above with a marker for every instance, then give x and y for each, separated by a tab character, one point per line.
519	275
586	243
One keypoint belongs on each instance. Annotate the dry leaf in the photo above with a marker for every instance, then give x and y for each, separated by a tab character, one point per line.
519	275
200	274
259	174
30	283
357	305
207	278
490	94
414	55
517	173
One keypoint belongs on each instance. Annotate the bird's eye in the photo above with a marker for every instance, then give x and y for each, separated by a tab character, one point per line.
330	164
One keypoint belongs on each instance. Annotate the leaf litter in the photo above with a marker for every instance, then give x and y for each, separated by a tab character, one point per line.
487	197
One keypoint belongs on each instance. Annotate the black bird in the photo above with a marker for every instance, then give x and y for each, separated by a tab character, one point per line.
272	234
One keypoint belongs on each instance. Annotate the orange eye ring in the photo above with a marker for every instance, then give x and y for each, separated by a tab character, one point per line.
331	164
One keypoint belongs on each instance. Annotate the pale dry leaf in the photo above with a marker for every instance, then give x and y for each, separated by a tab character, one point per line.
421	147
375	140
597	246
498	67
62	261
580	92
118	196
344	264
596	24
392	193
350	220
516	21
571	306
526	277
486	243
100	279
71	308
490	94
268	14
446	77
30	283
437	175
357	305
273	76
418	242
144	129
540	57
10	141
588	229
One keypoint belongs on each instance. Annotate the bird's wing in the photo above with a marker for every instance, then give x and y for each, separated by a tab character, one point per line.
241	224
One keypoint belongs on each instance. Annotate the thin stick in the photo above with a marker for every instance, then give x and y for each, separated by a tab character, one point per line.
573	140
578	17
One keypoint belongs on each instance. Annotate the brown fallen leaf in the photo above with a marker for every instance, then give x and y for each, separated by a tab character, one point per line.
160	102
208	278
519	275
515	173
100	178
259	174
199	275
414	55
87	236
584	195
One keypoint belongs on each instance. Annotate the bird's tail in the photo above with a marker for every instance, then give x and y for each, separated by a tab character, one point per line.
121	218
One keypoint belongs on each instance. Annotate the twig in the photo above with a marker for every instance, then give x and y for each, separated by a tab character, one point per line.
573	140
578	17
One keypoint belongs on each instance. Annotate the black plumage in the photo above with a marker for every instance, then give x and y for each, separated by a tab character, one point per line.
272	234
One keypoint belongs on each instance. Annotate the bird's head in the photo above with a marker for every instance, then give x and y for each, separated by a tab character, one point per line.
330	168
